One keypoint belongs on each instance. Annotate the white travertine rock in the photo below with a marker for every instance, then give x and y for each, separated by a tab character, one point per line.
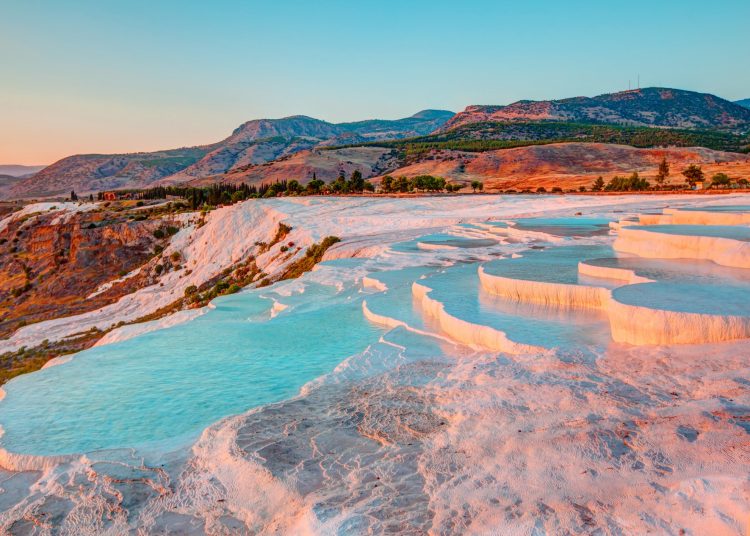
654	245
468	333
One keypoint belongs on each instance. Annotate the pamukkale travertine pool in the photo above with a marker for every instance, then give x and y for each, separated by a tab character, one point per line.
479	365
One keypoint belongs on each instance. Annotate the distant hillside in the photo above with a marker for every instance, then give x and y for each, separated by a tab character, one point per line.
96	172
6	183
504	135
15	170
660	107
568	165
743	102
302	166
254	142
264	140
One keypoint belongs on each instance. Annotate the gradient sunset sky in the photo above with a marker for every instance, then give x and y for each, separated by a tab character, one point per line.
105	76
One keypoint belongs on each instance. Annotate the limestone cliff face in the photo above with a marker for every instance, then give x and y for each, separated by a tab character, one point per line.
50	265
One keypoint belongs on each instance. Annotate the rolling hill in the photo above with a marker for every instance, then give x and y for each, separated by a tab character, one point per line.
253	142
657	107
303	165
568	165
14	170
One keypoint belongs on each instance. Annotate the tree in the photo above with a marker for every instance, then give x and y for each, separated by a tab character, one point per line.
356	182
721	180
294	187
387	184
663	172
477	185
91	197
73	196
693	174
315	185
598	184
339	185
403	185
742	182
480	186
627	184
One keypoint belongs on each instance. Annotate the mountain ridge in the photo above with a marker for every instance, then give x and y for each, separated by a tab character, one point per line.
254	142
259	142
651	107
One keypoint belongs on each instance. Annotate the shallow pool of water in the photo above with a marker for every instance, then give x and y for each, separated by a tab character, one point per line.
165	387
734	232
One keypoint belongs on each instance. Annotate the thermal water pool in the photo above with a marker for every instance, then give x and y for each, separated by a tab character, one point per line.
165	387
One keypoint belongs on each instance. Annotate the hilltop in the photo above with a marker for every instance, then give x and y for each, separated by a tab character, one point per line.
254	142
655	107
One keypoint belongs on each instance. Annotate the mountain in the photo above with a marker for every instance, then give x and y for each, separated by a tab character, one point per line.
264	140
743	102
254	142
14	170
97	172
659	107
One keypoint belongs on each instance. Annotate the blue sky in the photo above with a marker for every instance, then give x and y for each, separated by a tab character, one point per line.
105	76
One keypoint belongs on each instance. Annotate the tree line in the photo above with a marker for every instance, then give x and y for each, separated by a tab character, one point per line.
693	174
229	193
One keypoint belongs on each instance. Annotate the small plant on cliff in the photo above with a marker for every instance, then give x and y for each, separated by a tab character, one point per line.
313	255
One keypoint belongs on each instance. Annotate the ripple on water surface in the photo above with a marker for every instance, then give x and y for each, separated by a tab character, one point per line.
165	387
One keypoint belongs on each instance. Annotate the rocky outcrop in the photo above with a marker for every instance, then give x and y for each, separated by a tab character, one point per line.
660	107
52	263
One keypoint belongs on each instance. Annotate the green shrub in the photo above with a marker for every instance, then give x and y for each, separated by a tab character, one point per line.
627	184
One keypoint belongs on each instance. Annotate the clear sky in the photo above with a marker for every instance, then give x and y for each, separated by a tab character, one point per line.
104	76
